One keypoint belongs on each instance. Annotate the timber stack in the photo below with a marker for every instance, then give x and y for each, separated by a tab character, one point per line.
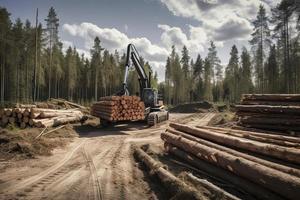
270	111
31	116
119	108
231	155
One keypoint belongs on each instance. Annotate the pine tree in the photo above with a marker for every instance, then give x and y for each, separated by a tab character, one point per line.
260	40
207	80
273	73
246	82
217	73
215	63
168	79
186	84
232	76
197	78
52	37
96	64
281	15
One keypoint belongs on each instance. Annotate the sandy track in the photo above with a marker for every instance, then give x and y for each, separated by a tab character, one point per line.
99	165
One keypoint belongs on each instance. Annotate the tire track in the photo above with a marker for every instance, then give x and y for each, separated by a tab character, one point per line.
98	194
48	172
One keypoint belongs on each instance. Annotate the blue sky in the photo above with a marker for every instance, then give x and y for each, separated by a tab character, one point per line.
152	25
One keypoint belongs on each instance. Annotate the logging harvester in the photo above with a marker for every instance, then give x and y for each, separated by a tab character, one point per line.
154	109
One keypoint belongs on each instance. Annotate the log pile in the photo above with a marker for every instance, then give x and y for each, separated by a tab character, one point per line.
270	111
31	116
235	152
119	108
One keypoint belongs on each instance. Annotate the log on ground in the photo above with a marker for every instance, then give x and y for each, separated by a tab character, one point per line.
276	151
267	177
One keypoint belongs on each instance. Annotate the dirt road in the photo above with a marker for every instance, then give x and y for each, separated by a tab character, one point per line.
97	165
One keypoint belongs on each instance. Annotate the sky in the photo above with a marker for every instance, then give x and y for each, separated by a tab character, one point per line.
153	26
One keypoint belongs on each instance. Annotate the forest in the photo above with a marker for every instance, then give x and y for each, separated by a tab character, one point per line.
34	66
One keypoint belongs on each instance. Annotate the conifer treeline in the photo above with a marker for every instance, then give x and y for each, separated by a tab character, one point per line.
34	67
271	66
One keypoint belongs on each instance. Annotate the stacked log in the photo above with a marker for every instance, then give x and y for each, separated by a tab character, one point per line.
270	111
236	152
119	108
37	117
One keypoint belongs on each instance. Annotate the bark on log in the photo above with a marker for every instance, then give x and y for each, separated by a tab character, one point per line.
282	168
110	98
240	183
58	113
275	151
217	191
266	115
60	121
170	181
8	112
63	101
272	135
258	137
269	120
23	125
269	109
272	179
118	108
271	127
272	97
271	103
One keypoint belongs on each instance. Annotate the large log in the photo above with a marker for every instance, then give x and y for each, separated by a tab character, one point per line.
269	120
63	101
110	98
255	137
288	154
283	168
272	127
269	109
217	172
260	134
266	115
61	121
8	112
58	113
271	103
267	177
272	97
217	191
174	184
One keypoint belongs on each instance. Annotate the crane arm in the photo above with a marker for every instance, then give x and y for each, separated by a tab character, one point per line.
133	58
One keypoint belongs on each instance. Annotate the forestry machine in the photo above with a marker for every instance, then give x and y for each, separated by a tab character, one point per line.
154	109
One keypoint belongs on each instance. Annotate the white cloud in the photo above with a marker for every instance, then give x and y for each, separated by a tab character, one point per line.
112	39
194	41
67	44
221	19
